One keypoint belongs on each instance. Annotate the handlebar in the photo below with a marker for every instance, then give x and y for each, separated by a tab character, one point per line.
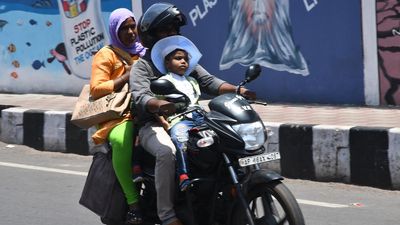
257	102
187	111
199	109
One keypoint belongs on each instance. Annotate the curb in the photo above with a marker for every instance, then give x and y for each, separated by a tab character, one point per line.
44	130
366	156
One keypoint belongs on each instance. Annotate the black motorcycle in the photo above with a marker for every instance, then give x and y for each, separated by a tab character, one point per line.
228	184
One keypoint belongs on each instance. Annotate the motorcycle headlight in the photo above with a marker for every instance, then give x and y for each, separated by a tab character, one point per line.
252	134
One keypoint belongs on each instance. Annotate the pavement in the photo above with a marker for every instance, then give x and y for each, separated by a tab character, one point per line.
340	143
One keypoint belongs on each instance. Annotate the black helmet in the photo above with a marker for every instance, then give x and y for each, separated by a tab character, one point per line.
157	16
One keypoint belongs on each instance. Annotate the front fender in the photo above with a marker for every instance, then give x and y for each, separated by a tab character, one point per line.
262	176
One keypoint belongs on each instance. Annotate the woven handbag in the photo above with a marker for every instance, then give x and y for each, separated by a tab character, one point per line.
88	113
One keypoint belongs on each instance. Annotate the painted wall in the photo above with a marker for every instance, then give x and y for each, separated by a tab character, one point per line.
46	46
311	51
388	37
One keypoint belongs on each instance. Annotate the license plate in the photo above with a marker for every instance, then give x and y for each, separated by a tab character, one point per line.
251	160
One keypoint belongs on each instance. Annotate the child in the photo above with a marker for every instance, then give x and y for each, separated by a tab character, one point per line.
176	57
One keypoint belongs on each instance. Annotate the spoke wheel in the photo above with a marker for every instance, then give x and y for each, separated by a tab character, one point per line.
270	204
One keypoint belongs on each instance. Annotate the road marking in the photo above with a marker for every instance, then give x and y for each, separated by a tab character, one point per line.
53	170
71	172
322	204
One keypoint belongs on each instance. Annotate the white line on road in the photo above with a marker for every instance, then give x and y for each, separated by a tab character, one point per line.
71	172
23	166
322	204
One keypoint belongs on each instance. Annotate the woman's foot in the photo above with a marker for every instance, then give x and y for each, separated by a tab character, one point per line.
134	215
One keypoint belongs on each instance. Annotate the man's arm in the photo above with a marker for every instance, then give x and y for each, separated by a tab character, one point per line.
140	84
140	77
215	86
208	83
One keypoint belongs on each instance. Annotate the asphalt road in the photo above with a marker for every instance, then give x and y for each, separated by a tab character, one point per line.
43	188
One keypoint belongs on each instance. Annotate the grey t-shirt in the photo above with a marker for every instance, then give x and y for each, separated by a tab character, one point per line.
144	71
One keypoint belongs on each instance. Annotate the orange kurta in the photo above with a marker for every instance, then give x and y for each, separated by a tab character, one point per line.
106	67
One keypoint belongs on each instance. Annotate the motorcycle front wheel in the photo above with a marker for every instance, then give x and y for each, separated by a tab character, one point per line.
270	204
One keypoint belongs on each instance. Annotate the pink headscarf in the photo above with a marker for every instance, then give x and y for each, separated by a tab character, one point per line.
117	17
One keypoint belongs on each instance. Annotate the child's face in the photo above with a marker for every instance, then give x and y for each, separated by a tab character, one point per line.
178	62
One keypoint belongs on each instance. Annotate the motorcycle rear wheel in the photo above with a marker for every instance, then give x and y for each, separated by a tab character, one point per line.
270	204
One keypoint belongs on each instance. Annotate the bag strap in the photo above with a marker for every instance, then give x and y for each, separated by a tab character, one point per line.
122	55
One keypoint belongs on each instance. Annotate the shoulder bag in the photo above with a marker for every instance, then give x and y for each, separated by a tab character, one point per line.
88	112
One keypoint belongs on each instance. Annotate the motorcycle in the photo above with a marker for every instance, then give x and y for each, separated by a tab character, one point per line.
228	184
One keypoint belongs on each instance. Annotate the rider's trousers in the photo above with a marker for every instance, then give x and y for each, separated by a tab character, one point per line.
157	142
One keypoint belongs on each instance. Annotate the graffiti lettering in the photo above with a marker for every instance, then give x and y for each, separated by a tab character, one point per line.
86	42
396	32
89	43
310	4
82	36
196	13
88	53
79	59
82	26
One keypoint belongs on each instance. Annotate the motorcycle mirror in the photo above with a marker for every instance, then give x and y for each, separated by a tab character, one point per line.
253	72
162	87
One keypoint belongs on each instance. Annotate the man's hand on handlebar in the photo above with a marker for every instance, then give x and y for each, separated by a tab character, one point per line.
229	88
248	94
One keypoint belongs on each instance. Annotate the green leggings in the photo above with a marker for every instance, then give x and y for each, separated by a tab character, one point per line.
121	139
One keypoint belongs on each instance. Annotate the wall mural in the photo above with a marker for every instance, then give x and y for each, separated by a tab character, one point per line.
259	32
319	40
84	33
388	36
46	46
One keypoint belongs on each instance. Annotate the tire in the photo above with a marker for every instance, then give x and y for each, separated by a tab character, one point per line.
282	210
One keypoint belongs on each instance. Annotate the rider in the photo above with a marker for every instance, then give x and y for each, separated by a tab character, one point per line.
161	20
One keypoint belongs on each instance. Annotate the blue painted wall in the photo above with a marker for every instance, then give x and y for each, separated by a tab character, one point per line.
325	34
328	36
29	32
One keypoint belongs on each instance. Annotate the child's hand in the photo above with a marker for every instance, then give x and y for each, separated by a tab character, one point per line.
164	123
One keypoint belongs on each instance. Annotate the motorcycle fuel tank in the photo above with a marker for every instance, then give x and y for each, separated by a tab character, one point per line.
234	106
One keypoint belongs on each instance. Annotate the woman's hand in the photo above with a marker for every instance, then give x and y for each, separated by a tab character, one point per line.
121	80
128	68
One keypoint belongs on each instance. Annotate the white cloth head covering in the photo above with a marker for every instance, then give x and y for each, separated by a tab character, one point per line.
167	45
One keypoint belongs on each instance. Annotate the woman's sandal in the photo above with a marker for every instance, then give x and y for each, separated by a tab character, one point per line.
134	216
